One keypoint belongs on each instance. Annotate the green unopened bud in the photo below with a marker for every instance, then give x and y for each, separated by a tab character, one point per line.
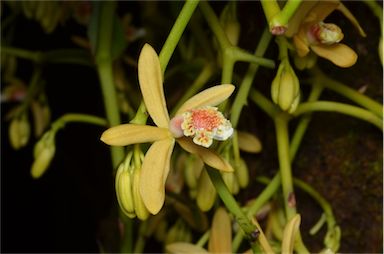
123	185
285	88
206	192
241	171
229	22
306	62
19	131
231	182
44	152
140	209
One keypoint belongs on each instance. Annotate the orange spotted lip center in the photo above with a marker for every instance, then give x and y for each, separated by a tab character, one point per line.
203	119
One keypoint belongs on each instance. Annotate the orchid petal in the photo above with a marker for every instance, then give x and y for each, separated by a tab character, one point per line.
127	134
151	85
298	17
209	157
351	18
154	172
209	97
339	54
248	142
321	10
220	239
182	247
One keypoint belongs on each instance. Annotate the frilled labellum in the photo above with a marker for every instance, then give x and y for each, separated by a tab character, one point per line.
203	124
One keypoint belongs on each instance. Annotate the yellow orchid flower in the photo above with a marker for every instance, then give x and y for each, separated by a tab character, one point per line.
309	32
197	118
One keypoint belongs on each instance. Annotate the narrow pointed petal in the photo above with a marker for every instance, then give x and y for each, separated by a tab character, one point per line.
339	54
127	134
209	157
209	97
151	85
154	172
351	18
322	10
220	240
182	247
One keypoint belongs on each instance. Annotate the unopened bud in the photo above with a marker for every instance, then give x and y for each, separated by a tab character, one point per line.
206	192
19	131
231	182
140	209
285	88
44	152
123	185
305	62
242	175
230	24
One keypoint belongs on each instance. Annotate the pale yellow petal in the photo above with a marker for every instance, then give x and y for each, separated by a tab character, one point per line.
351	18
209	157
127	134
248	142
209	97
339	54
290	231
301	46
154	172
151	85
220	239
322	10
298	17
182	247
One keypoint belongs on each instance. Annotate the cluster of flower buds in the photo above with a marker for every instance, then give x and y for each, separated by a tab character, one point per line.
127	186
43	153
285	88
19	131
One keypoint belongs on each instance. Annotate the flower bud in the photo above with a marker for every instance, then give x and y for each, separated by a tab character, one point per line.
230	24
285	88
206	192
231	182
178	233
248	142
140	209
19	131
44	152
123	185
241	171
305	62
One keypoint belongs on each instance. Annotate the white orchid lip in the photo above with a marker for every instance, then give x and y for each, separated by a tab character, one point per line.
203	124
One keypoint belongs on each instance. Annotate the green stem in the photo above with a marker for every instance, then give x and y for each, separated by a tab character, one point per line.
203	239
242	94
271	9
348	92
128	235
376	9
281	125
283	17
21	53
231	204
141	239
238	54
259	99
340	108
176	32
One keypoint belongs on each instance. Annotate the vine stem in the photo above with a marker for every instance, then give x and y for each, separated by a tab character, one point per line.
346	109
79	118
281	126
282	18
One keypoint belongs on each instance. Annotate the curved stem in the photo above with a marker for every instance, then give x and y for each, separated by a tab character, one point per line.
283	17
21	53
259	99
348	92
176	32
238	54
340	108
